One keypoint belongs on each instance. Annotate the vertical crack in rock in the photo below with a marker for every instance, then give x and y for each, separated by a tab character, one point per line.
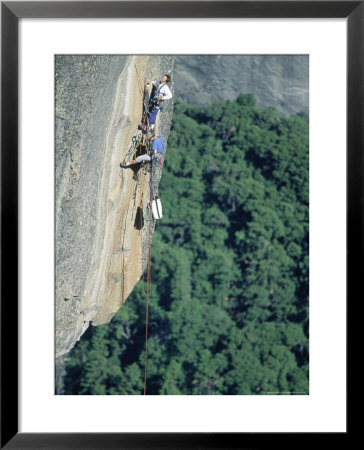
101	251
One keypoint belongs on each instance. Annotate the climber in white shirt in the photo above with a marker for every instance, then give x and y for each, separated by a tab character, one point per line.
160	93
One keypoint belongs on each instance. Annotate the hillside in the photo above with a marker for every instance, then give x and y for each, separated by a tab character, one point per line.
279	81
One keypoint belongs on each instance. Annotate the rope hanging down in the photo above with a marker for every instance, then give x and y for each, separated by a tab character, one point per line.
149	277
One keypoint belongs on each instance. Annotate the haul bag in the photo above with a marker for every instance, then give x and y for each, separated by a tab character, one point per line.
157	209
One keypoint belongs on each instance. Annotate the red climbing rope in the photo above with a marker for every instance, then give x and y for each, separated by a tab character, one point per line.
149	274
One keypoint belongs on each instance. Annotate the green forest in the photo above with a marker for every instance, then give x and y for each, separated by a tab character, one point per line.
228	311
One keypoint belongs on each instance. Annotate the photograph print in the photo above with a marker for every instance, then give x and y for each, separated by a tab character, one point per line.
182	224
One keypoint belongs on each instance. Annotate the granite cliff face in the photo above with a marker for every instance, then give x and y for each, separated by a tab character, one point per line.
281	81
101	250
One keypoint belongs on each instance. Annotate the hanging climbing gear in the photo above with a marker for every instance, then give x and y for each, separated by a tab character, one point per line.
157	208
144	124
157	96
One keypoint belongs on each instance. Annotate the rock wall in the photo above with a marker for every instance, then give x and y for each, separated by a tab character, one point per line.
281	81
100	248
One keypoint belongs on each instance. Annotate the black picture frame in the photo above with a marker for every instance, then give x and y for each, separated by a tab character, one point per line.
11	12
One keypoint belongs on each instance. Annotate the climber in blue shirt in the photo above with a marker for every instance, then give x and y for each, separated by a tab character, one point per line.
157	151
157	144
